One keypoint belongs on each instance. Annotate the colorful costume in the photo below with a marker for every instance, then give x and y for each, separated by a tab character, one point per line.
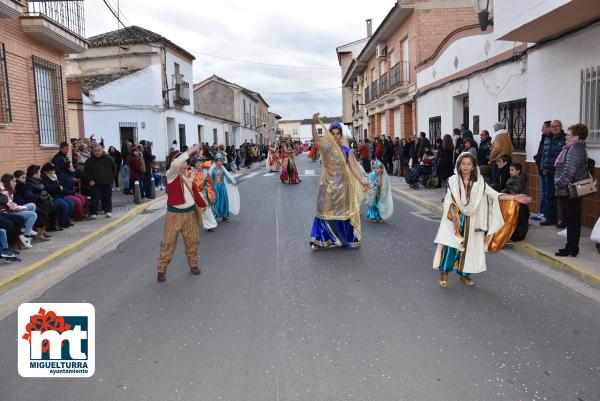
289	173
314	153
203	183
379	200
337	221
272	160
181	217
477	212
227	197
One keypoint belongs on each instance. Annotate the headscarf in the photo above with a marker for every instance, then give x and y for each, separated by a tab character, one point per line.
219	156
335	124
467	201
386	202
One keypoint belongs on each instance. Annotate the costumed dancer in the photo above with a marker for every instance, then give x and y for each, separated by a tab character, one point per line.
289	173
314	153
204	185
181	217
471	211
342	188
272	159
379	200
227	197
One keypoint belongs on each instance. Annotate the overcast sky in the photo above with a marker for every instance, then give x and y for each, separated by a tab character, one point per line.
297	33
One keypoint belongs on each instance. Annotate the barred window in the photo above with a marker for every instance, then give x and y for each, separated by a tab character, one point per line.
514	115
589	106
5	113
49	101
435	128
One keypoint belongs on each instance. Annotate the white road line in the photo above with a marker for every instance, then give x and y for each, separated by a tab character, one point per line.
254	174
309	172
269	175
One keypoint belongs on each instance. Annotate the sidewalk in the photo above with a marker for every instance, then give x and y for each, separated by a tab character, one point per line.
82	233
541	242
71	239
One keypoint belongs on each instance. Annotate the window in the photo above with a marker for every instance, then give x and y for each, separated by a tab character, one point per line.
177	68
475	125
435	128
215	137
320	131
5	113
514	115
589	106
182	137
49	102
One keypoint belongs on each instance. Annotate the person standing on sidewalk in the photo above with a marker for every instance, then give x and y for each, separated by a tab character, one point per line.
485	146
501	145
101	170
571	166
365	155
546	132
61	157
125	153
553	145
181	214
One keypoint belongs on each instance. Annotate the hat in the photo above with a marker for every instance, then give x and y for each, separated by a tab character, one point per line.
498	126
335	124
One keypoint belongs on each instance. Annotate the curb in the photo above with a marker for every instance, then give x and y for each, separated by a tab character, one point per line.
10	281
541	255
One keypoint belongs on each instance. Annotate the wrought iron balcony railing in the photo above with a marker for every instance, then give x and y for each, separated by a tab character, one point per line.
399	75
182	90
383	81
67	13
374	90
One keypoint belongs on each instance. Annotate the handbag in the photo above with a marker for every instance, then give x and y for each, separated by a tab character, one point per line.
582	188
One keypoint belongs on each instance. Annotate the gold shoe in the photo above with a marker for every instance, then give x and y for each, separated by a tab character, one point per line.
467	280
443	283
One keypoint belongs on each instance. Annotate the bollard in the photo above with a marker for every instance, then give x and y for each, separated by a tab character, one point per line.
152	188
137	195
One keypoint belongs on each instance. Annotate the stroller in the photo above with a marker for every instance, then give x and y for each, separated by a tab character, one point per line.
419	175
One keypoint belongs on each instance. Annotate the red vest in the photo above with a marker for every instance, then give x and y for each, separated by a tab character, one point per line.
175	195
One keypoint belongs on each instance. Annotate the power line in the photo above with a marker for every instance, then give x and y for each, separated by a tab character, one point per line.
267	64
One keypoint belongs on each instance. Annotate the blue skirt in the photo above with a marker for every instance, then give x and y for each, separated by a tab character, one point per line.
221	205
333	233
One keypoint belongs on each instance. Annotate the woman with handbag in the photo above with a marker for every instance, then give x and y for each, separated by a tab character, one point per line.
181	217
571	167
471	212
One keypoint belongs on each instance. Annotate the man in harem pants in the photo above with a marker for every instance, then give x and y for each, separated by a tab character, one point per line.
181	215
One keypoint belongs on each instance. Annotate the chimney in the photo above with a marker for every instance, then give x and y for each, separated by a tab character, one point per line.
369	28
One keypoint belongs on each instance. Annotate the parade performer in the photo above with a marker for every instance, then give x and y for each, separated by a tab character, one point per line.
379	200
314	153
342	187
227	196
471	211
272	159
181	216
289	173
204	185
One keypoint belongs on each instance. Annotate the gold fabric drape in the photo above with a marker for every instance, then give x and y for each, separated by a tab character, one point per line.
510	212
340	194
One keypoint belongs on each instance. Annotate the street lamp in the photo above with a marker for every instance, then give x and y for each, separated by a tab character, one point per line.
482	7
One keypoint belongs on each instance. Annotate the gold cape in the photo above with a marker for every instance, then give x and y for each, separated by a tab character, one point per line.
340	194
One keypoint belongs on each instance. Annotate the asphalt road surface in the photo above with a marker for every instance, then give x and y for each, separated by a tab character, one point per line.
269	319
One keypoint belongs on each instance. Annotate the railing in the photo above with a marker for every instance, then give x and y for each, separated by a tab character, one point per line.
182	90
67	13
399	75
383	81
367	98
374	90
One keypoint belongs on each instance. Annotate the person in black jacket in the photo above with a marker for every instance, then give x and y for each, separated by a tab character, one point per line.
445	166
504	162
116	156
101	169
42	199
485	147
388	154
22	196
515	185
61	157
66	207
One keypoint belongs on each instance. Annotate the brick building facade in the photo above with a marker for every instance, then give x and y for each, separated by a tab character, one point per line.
33	96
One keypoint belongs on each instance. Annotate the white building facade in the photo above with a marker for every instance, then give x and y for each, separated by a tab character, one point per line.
526	69
137	86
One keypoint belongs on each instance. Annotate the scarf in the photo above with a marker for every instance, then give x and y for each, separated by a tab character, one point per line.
562	156
467	200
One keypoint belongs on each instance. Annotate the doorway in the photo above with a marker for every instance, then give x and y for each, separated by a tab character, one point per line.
182	141
466	111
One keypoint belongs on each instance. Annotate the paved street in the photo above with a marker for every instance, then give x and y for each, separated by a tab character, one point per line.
269	319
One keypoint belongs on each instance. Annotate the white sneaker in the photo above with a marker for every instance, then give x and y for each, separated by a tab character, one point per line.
33	232
108	215
26	241
563	233
93	216
117	189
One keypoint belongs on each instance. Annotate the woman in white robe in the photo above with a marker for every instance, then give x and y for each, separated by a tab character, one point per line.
471	212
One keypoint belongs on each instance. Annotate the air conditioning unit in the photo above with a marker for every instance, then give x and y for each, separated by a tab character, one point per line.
380	52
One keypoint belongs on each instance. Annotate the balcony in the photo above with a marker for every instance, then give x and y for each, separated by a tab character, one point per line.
59	24
383	82
399	75
367	98
11	8
182	90
374	90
